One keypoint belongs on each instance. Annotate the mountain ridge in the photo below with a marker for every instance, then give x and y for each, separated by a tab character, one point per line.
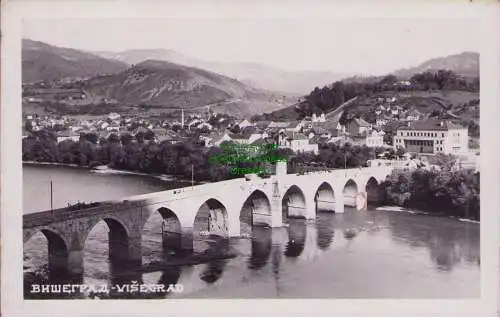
168	85
258	75
42	61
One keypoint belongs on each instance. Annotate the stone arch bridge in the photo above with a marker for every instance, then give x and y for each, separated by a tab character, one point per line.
225	209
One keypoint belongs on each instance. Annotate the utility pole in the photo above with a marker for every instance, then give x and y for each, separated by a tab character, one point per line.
182	118
51	197
192	176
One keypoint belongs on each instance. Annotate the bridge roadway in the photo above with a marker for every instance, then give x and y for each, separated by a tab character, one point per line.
225	209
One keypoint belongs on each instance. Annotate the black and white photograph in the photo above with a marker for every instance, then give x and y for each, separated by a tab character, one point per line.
251	158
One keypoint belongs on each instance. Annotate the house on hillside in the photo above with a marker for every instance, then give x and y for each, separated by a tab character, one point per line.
357	126
246	138
67	135
375	139
297	142
139	130
163	135
113	116
381	122
320	118
245	123
294	126
318	130
413	115
217	140
276	126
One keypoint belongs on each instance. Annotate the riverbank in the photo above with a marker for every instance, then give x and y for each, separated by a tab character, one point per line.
104	169
422	213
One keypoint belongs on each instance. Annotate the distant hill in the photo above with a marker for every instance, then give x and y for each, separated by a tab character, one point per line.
255	74
41	61
465	64
167	85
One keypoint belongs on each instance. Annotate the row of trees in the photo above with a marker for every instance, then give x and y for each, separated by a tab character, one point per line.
454	193
123	152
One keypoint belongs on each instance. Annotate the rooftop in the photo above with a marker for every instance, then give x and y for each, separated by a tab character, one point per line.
361	122
431	125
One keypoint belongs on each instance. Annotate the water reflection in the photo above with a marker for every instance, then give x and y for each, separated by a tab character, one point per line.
278	253
324	225
297	231
261	247
213	271
449	242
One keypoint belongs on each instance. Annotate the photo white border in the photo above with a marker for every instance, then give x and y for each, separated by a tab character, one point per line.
12	303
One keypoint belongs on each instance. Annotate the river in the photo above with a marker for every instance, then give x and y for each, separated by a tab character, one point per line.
393	255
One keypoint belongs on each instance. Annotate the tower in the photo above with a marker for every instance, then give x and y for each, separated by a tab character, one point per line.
182	118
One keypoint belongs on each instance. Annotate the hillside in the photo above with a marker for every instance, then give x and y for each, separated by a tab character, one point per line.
254	74
465	64
426	82
41	61
163	85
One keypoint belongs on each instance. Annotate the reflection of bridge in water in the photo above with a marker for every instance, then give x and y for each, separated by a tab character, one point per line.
268	250
218	210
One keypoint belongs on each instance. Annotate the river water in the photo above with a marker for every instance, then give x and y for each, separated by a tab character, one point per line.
392	255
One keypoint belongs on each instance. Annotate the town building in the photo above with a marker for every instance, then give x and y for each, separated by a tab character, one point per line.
381	122
68	135
297	142
320	118
113	116
432	137
375	139
357	126
245	123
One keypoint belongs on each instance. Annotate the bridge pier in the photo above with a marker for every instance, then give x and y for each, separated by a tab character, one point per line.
310	212
339	204
187	238
75	262
363	206
58	261
276	207
128	250
135	250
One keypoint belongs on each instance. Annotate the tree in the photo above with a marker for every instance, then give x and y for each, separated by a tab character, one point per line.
445	161
28	126
149	135
126	139
113	138
400	151
344	117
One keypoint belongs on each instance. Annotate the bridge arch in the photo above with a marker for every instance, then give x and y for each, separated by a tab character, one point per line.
57	251
325	197
255	211
373	190
350	191
161	231
118	235
211	220
294	203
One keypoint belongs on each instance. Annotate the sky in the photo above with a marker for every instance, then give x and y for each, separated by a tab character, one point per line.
367	46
